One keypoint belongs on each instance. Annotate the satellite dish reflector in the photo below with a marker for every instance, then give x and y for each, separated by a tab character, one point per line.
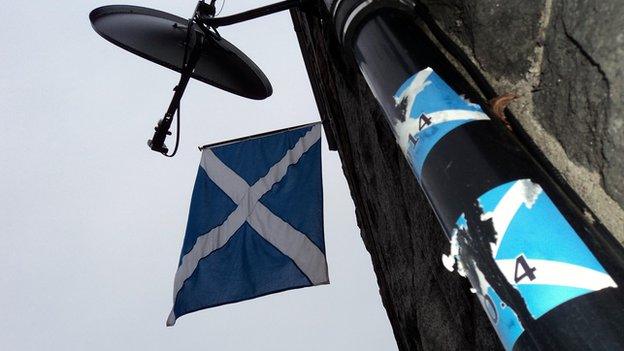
192	47
161	38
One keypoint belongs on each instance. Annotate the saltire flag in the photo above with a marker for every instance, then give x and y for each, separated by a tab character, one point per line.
255	224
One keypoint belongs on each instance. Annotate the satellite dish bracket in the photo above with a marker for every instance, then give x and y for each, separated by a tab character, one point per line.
208	19
204	18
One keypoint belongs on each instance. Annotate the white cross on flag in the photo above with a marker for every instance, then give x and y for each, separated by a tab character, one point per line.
255	224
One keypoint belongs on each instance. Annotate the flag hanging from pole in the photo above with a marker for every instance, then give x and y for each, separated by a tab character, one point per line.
255	224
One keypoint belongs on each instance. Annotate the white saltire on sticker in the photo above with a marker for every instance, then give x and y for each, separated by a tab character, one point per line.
411	130
430	109
523	192
555	273
537	250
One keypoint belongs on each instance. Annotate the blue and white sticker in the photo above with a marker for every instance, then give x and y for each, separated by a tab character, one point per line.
431	109
537	251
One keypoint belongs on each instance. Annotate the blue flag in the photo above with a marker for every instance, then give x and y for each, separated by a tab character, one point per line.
255	224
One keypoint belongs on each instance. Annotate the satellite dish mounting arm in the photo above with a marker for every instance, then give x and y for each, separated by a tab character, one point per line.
157	143
215	22
204	18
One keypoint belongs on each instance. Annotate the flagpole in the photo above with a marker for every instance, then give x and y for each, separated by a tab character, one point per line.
225	142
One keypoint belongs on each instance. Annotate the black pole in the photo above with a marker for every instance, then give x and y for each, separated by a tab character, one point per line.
547	278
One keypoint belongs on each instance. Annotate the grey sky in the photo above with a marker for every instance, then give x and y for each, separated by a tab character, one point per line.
92	221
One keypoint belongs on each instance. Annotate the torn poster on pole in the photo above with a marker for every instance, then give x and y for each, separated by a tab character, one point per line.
255	223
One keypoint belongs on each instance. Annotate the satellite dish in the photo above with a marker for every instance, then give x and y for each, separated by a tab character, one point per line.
161	38
192	47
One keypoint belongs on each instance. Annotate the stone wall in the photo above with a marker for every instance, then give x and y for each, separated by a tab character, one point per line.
564	61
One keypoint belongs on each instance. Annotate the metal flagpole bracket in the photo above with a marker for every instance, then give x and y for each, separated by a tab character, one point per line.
205	13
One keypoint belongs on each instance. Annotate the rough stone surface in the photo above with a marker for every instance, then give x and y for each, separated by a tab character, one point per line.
564	60
429	307
483	26
580	96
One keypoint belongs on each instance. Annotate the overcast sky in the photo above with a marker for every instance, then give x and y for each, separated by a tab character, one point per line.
92	220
